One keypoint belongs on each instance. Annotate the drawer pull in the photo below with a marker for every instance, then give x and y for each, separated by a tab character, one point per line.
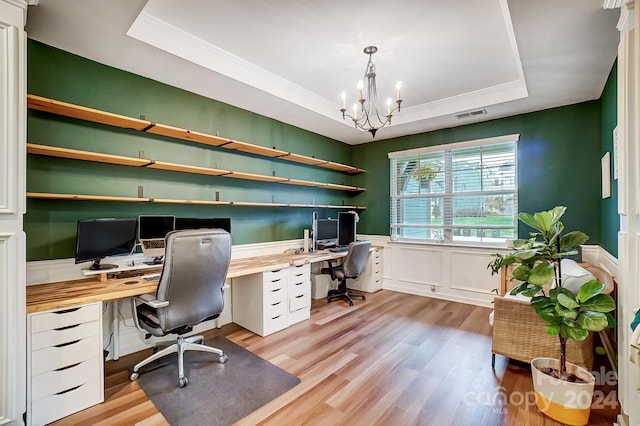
62	345
67	327
66	311
274	318
298	297
276	289
68	390
68	367
276	304
275	281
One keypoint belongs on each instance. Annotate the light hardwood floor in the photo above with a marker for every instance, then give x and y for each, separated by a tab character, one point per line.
394	359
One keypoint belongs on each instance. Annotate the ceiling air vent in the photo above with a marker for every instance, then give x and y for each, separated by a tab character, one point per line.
471	114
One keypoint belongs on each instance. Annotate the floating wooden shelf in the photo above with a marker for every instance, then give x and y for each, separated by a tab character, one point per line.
189	135
75	154
98	116
86	197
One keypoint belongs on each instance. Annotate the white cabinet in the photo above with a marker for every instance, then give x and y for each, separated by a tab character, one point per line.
270	301
64	362
13	114
372	278
299	293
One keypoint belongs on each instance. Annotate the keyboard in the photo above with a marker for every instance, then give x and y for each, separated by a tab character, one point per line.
154	277
151	244
339	249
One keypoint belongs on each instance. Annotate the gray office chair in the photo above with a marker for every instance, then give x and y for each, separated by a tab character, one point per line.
352	266
189	292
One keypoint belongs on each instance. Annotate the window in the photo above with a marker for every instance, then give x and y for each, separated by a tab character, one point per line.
457	192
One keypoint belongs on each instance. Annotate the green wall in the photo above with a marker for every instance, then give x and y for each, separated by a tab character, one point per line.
50	225
609	218
558	164
559	160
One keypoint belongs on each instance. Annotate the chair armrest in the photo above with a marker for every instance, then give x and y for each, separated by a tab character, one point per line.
150	299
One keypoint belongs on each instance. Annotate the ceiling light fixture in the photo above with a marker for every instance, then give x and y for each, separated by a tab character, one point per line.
372	116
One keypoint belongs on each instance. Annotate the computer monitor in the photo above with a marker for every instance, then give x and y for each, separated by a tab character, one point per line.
346	228
151	233
207	222
152	227
327	230
100	238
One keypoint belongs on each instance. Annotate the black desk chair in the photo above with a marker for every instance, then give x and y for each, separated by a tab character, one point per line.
353	265
189	292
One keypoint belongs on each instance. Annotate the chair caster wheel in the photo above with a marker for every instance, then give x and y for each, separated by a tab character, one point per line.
223	358
183	381
134	376
364	298
350	303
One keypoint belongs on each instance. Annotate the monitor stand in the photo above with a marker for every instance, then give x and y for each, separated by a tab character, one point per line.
97	266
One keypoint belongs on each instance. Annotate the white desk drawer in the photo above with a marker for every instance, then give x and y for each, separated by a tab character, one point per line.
300	301
54	407
280	274
274	295
298	272
275	310
64	317
296	289
280	283
64	335
275	324
57	381
55	357
299	315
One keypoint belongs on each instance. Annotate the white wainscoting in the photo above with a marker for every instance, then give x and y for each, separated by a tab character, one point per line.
454	273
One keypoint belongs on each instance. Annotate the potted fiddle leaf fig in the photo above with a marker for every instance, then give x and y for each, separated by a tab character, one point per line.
537	262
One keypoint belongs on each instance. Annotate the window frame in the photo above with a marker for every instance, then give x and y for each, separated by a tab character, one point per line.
447	237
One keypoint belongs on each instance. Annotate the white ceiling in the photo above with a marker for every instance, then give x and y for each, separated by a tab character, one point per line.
291	59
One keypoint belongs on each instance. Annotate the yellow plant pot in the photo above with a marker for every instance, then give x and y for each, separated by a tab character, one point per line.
565	402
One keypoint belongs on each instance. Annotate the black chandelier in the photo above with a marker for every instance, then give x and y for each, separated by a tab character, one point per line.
372	117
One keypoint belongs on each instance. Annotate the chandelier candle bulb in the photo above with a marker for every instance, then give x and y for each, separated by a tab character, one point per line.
344	99
355	111
398	86
360	86
389	106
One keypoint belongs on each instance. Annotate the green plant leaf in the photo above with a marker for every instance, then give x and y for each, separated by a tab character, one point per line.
589	290
557	213
541	303
568	302
564	311
575	333
521	273
592	321
599	303
572	239
553	329
544	221
550	318
611	321
554	292
541	273
525	255
528	219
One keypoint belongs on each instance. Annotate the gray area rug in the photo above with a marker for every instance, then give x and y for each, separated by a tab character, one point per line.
217	394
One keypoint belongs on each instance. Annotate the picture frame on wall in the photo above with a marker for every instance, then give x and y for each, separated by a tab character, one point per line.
606	175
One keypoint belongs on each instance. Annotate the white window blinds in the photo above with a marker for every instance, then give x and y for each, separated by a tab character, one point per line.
464	191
